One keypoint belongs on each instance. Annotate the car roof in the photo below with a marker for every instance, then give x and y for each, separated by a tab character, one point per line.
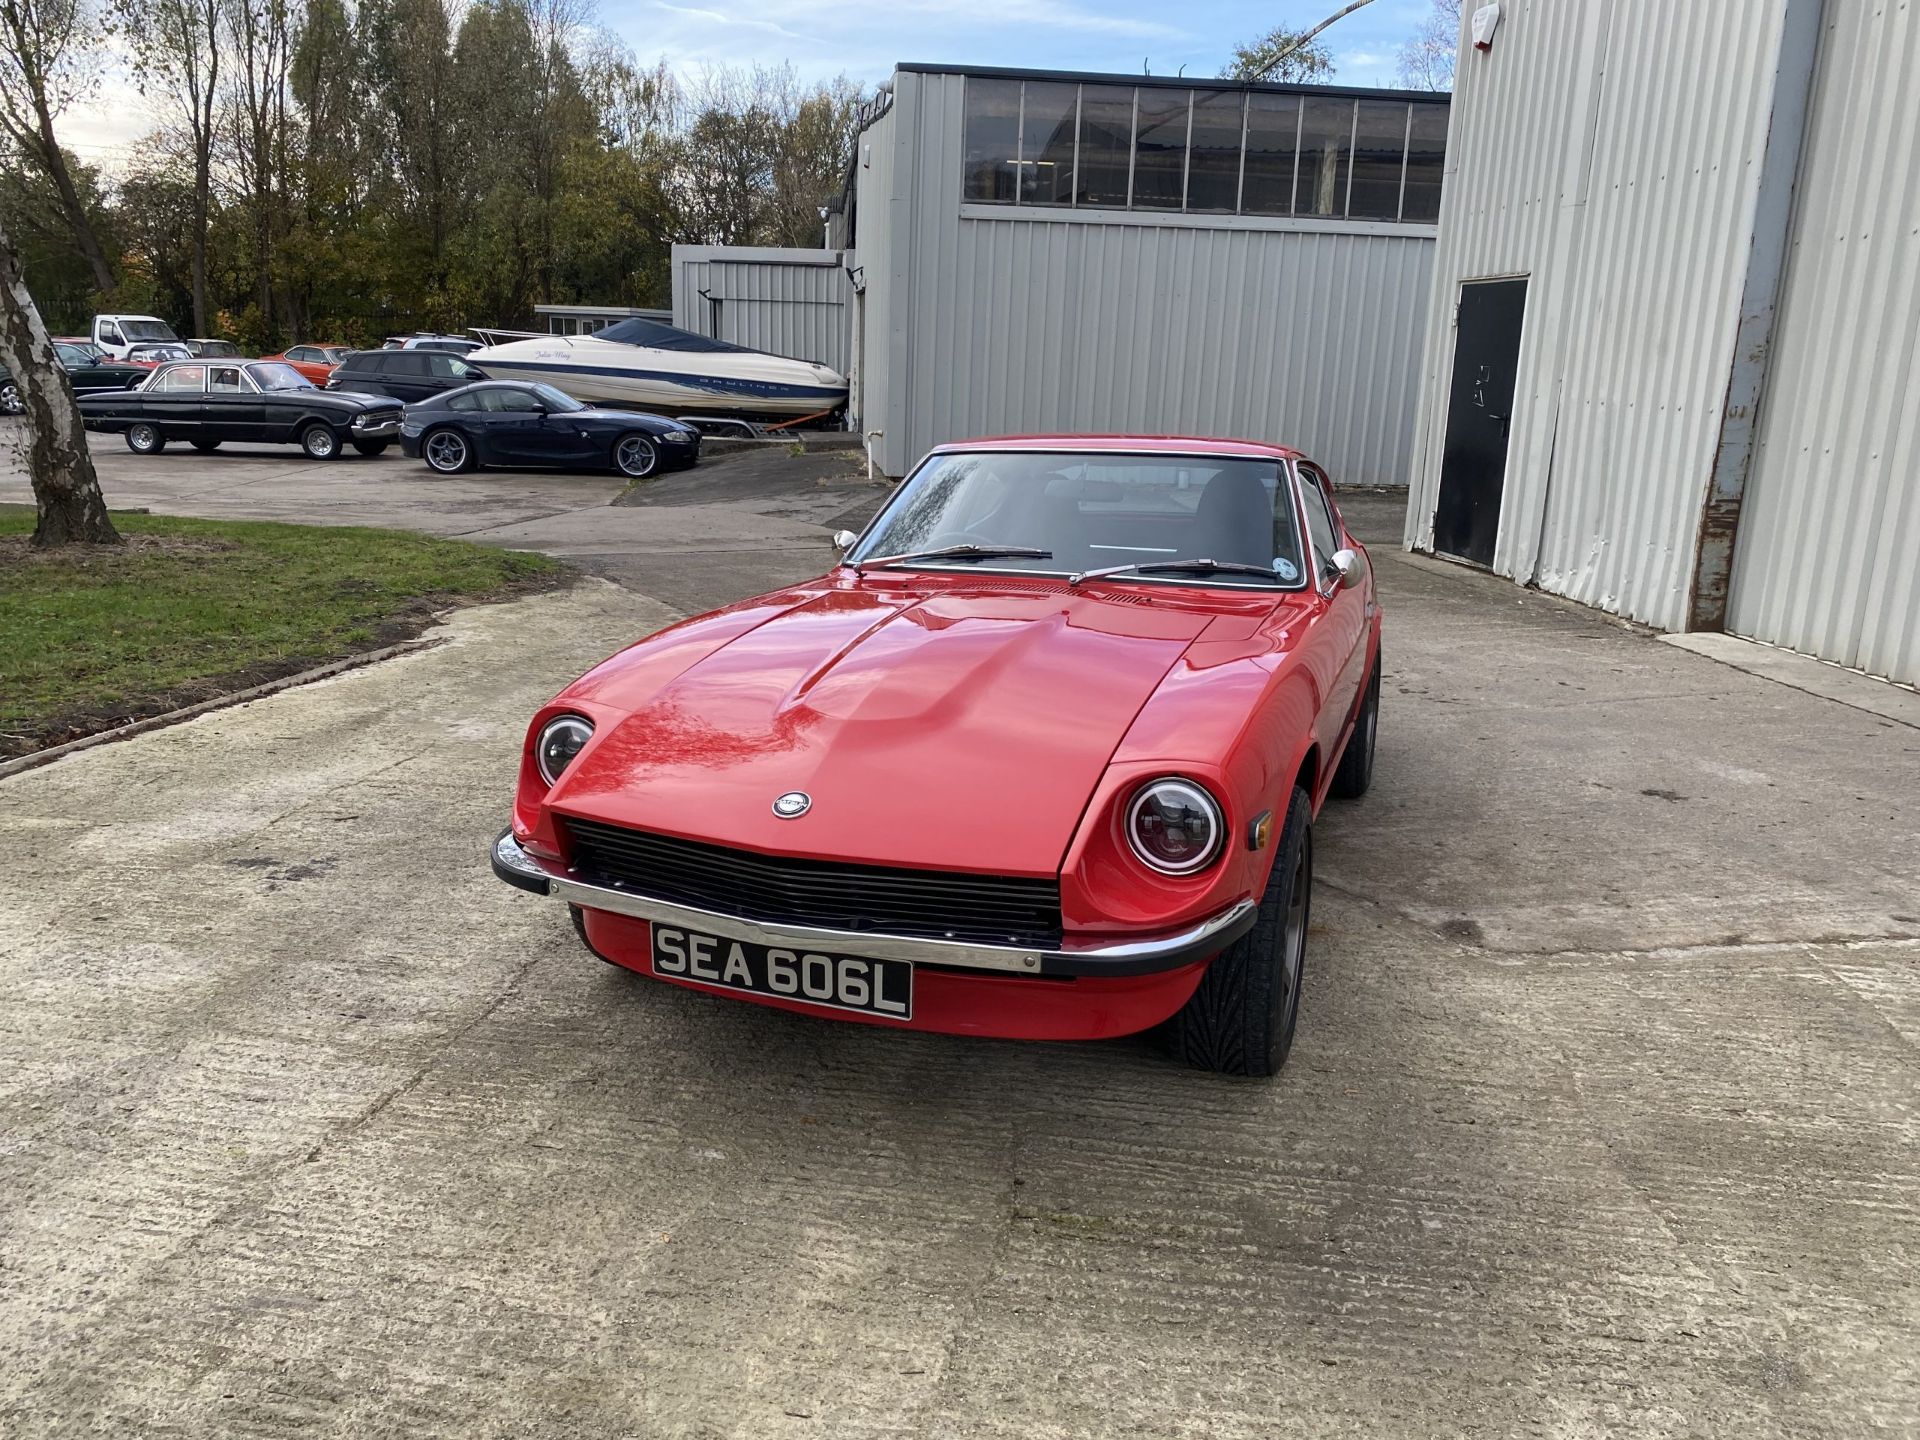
1126	444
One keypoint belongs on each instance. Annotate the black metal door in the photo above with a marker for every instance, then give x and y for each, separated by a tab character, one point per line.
1473	468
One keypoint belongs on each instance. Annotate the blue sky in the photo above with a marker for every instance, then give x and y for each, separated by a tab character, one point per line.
863	40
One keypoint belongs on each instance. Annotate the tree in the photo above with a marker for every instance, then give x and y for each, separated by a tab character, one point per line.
1426	60
66	492
176	43
1280	55
50	54
1288	55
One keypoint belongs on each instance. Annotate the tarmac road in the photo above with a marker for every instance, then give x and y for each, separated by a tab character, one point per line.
1601	1120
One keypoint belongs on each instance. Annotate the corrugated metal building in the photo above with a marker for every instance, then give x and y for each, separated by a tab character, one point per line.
1047	251
789	302
1672	340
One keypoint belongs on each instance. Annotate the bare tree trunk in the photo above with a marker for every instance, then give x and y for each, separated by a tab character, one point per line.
78	221
66	492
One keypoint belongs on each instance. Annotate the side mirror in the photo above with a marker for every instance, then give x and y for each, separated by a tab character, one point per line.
1343	568
843	542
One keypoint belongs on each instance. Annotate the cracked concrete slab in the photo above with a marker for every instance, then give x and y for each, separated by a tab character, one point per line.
1601	1119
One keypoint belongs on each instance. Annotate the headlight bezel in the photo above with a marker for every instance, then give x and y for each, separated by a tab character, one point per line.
584	725
1204	801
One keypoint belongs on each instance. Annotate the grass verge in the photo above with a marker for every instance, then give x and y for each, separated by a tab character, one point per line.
94	636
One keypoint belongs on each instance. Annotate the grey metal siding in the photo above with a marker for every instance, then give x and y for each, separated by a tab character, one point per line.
1307	332
1828	560
784	301
1608	151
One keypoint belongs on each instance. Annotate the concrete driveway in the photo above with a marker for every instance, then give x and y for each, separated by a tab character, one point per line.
1601	1120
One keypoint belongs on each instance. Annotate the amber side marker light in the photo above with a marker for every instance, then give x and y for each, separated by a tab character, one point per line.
1260	831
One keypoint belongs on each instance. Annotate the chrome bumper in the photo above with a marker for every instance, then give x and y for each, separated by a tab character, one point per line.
379	431
1111	958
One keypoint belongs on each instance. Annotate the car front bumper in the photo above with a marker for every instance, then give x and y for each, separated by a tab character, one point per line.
379	430
1087	988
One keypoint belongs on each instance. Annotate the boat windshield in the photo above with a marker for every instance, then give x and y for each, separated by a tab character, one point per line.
656	336
1093	512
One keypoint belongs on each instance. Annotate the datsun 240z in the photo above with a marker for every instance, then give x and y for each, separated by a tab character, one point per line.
1039	758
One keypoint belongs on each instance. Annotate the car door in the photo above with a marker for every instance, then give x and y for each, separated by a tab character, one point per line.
448	372
233	409
516	429
1340	630
177	394
407	376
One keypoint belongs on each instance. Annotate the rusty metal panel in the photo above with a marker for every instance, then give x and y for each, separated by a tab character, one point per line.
1828	560
1001	321
785	301
1609	151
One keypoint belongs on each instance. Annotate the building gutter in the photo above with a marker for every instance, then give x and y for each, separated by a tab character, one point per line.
1759	303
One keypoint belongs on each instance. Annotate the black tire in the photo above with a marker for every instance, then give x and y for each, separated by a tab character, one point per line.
319	442
1355	774
1241	1019
636	455
370	448
205	447
446	451
144	438
10	401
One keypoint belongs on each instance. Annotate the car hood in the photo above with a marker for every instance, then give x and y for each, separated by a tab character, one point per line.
947	730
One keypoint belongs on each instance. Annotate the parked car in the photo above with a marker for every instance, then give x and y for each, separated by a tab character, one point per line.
511	422
208	402
87	370
1040	757
117	334
316	362
407	375
155	353
213	349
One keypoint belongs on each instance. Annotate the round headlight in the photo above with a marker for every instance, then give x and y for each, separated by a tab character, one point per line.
1174	826
560	740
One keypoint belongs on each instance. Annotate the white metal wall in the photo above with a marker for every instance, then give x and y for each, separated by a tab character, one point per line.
784	301
1304	332
1609	151
1828	557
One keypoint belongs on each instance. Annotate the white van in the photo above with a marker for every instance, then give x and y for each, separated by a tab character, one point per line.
117	334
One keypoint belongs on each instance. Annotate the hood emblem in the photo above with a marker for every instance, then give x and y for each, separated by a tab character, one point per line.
793	804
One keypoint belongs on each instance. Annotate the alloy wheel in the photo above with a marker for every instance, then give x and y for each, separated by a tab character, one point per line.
10	402
446	451
636	457
319	442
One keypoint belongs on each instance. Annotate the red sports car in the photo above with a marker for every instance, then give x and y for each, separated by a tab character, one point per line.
1040	757
316	362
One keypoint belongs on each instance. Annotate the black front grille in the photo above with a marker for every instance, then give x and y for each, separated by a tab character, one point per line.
926	904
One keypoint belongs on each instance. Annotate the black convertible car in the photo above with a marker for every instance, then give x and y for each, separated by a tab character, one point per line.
510	422
87	369
205	402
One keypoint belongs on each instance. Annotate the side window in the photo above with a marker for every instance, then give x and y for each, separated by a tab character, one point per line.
513	400
445	366
110	335
407	362
1320	525
224	378
301	352
468	401
184	377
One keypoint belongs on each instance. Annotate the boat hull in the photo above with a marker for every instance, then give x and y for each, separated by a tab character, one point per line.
745	383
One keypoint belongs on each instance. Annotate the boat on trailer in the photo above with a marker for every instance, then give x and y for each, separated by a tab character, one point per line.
641	364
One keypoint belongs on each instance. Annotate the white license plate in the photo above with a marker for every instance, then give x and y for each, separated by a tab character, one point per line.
838	982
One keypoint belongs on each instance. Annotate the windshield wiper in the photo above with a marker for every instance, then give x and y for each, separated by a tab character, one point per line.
958	552
1155	567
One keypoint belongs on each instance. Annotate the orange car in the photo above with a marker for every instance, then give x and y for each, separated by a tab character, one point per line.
316	362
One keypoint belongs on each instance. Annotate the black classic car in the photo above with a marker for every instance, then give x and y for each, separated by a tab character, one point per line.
205	402
406	375
510	422
87	369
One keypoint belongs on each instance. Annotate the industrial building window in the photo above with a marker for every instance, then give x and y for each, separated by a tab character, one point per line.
993	139
1213	153
1061	143
1106	144
1048	120
1426	158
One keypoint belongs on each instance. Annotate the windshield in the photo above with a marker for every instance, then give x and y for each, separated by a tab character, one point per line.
1093	512
557	400
279	377
147	330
